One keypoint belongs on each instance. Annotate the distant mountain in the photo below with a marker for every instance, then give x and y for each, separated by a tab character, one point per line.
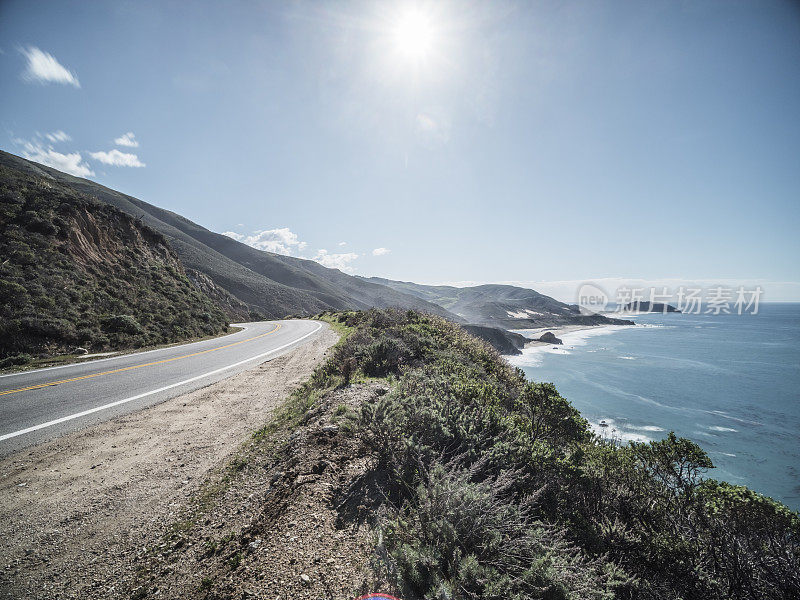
505	306
647	306
505	342
271	285
76	272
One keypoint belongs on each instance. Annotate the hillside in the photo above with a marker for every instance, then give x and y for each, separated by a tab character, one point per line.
250	283
505	306
272	285
505	342
417	462
76	272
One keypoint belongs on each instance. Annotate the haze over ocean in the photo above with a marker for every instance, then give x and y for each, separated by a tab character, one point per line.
731	383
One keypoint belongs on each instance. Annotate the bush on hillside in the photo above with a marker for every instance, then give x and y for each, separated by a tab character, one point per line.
121	324
498	489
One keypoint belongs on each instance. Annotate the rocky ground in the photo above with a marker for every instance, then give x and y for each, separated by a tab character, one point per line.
180	500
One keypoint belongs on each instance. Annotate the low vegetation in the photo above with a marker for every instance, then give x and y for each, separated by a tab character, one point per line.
495	487
75	272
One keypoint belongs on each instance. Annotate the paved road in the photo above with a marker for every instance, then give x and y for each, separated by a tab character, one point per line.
46	403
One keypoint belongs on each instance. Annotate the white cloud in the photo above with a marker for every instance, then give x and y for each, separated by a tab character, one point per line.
336	261
284	241
71	163
343	243
128	139
380	251
44	68
117	158
58	136
279	241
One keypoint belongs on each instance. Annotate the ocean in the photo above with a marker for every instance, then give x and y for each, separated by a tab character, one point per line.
730	383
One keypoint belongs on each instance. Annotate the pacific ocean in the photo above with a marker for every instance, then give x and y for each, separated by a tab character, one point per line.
730	383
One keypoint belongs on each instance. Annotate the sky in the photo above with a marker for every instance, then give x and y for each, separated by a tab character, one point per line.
539	143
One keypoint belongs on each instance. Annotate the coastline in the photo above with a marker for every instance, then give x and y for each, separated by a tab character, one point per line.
570	336
577	335
559	332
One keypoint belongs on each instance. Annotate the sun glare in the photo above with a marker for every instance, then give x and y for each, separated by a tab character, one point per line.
414	35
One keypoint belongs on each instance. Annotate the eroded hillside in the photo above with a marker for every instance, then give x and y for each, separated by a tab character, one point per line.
75	272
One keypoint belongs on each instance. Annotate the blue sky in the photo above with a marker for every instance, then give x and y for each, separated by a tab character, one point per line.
536	142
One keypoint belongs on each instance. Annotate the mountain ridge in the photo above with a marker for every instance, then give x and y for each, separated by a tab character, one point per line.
272	285
250	283
499	305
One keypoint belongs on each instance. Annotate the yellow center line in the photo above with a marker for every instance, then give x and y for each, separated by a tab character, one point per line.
157	362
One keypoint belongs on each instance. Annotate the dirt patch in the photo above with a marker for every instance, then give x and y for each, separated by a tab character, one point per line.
78	513
292	518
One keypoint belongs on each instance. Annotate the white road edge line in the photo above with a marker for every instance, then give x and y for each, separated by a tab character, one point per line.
150	393
128	355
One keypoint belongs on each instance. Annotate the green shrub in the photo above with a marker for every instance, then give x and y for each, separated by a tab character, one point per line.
121	324
17	359
457	538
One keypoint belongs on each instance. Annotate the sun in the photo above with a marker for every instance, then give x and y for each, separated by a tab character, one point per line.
414	35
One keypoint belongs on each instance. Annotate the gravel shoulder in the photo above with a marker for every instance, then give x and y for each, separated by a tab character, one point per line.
77	512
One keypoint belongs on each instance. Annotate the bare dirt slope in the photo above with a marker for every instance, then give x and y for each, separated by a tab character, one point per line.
75	512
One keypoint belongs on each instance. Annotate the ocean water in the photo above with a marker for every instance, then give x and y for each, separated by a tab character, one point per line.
731	383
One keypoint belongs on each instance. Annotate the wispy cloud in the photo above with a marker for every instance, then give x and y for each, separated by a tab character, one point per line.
71	163
336	261
117	158
279	241
343	243
128	140
284	241
380	251
57	136
44	68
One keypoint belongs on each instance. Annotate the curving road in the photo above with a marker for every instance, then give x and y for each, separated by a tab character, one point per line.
46	403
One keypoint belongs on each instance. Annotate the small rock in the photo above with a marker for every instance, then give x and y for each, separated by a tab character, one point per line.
330	428
81	351
305	579
549	338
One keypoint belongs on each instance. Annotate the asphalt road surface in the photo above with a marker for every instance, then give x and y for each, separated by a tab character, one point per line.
46	403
